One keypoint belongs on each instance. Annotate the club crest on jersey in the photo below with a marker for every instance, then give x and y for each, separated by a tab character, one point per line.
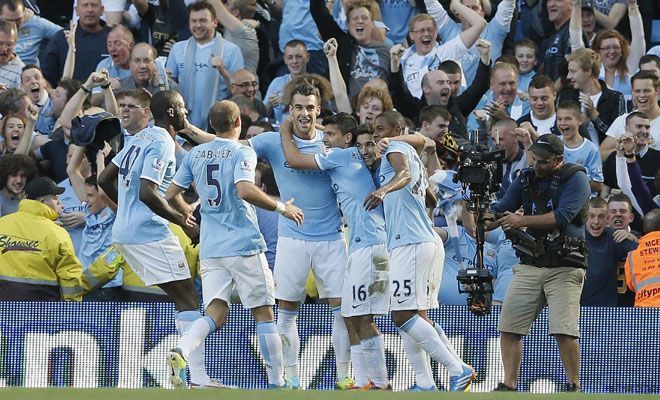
158	165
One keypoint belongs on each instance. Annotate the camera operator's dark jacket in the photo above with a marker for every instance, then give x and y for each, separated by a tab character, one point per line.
568	202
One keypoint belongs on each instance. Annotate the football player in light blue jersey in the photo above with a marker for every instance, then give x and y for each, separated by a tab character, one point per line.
232	248
416	257
318	243
143	171
365	280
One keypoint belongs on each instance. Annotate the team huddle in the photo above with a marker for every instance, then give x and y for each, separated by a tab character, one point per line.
323	175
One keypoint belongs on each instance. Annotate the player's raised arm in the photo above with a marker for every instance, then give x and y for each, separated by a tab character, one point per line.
294	157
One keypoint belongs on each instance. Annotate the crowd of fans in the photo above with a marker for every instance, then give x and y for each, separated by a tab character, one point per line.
71	97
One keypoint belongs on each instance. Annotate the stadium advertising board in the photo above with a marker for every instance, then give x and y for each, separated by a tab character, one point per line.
124	345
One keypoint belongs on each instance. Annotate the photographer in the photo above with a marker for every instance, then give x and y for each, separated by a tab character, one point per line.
553	196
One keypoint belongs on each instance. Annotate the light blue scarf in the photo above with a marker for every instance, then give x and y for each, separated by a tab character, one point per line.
207	98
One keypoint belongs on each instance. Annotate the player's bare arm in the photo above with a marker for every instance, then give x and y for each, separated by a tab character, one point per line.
294	157
400	180
249	192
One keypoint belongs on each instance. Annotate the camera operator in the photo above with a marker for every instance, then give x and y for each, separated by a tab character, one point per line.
554	196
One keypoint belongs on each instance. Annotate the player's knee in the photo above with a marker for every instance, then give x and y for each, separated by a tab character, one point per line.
263	314
288	305
400	317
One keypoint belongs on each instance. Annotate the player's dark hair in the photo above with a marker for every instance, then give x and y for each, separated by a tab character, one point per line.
161	102
429	113
344	121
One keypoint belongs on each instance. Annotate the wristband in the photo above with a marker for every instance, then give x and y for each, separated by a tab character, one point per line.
84	89
105	86
629	155
280	207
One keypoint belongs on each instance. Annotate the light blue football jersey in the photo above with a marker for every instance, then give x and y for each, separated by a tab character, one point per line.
311	190
229	224
588	156
405	209
150	155
352	182
96	239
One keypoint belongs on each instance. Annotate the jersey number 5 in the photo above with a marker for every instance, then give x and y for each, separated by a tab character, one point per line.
212	181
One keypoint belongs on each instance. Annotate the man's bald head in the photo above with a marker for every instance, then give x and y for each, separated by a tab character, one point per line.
652	221
243	82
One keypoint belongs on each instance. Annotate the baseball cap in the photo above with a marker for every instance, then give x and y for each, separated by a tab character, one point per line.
41	186
588	4
548	145
95	128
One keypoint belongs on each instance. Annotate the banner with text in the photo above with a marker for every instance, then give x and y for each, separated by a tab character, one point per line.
124	345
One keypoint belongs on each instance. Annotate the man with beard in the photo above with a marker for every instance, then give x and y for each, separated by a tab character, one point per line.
318	243
437	90
34	84
10	64
144	73
15	171
144	170
191	63
91	37
551	212
118	62
607	247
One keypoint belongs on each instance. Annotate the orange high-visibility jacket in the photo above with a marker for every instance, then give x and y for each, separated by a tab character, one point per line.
643	271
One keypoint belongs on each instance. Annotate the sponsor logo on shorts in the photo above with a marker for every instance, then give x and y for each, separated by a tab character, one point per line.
357	305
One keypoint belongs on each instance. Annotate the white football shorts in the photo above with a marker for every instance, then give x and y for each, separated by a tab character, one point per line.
157	262
249	274
294	259
412	267
366	282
